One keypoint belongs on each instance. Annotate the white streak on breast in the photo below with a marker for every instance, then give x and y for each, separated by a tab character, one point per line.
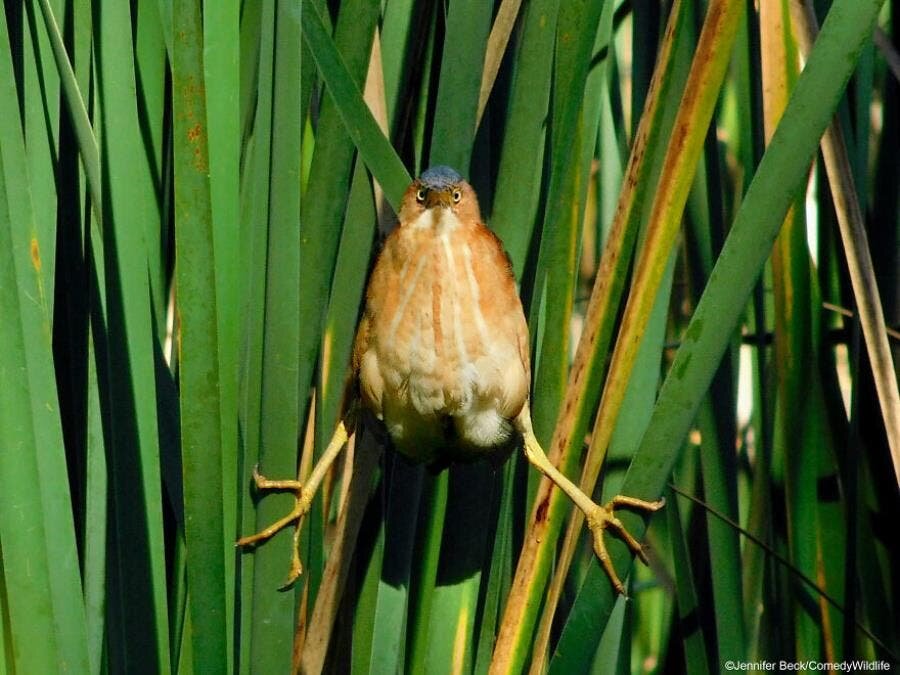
476	296
407	296
458	336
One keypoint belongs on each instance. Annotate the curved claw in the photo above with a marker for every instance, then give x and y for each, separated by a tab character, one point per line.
602	517
296	569
301	508
262	483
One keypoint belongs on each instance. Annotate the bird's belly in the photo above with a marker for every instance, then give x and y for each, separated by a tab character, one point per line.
432	411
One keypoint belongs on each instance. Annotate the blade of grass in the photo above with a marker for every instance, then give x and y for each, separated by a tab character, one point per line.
716	418
165	18
201	427
26	564
859	260
433	508
40	104
556	263
6	650
254	231
360	125
501	31
130	209
423	102
793	339
498	572
462	61
398	38
283	395
151	101
250	59
720	490
221	41
96	472
781	172
517	193
43	592
391	626
688	627
87	142
339	560
95	517
325	207
831	529
347	287
371	549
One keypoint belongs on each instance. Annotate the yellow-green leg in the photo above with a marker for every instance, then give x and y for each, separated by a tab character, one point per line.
599	518
304	493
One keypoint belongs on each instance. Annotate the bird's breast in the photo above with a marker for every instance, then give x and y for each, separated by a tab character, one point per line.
446	336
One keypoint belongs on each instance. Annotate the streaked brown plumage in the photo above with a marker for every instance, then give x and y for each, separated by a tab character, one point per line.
441	355
441	351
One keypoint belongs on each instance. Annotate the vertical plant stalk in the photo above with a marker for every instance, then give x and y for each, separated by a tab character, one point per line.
221	43
198	354
856	248
701	92
496	47
87	142
600	313
137	614
42	611
337	567
794	348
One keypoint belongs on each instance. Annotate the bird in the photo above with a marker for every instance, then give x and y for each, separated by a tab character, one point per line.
441	358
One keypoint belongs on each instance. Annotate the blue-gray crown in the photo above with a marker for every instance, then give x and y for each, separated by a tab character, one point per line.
439	178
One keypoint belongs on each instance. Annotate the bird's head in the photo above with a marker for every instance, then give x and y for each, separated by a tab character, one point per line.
439	188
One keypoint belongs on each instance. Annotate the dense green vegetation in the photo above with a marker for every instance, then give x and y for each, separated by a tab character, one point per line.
701	202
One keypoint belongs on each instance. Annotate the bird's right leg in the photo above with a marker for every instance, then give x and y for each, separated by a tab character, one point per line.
304	493
599	518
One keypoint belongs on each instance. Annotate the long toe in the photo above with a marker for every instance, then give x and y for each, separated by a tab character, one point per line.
635	503
635	546
605	561
294	573
301	508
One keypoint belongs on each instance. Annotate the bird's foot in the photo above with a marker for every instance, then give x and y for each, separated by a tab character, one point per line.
602	517
303	500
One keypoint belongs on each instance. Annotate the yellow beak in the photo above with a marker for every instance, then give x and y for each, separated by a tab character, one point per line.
438	198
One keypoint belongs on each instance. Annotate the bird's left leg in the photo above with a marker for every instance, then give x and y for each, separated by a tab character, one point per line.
304	492
599	518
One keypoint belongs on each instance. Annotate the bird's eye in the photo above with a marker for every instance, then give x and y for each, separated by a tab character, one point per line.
457	195
420	195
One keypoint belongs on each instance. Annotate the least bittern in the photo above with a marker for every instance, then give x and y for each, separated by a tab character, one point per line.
441	355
